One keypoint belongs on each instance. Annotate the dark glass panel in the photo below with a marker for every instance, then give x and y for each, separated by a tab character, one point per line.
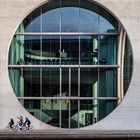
50	112
65	113
107	83
32	81
107	50
31	104
16	53
128	64
17	82
105	107
86	113
50	82
89	50
74	82
51	50
32	50
65	82
74	114
70	50
88	82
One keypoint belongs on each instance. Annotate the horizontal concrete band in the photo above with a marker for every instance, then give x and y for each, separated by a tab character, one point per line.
71	134
68	98
71	66
65	33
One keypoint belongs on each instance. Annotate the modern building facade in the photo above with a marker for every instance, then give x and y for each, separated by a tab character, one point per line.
70	63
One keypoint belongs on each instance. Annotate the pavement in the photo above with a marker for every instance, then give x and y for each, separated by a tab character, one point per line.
72	134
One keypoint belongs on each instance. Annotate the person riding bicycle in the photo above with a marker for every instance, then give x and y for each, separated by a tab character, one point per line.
20	120
11	123
27	122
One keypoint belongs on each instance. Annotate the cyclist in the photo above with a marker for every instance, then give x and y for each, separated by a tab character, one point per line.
11	123
20	120
27	122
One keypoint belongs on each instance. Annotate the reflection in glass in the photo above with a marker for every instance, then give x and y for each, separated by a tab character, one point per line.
50	112
45	82
74	114
47	50
107	50
107	81
89	50
70	50
32	50
65	82
51	20
70	19
31	78
74	81
73	16
33	21
88	82
16	53
89	113
89	21
128	64
50	82
50	50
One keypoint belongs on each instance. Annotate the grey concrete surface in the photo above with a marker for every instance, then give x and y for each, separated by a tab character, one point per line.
71	134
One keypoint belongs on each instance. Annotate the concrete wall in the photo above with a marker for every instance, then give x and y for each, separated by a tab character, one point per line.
125	117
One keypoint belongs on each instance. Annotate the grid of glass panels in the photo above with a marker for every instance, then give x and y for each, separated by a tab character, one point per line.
63	63
64	50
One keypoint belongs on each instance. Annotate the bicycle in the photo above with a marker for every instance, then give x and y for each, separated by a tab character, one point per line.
14	128
25	127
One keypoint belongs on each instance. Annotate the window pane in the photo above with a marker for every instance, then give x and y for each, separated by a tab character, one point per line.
74	82
65	82
50	112
25	50
33	22
88	82
105	107
74	114
32	79
107	81
51	50
51	20
16	53
70	50
32	50
89	21
87	113
50	82
89	50
107	50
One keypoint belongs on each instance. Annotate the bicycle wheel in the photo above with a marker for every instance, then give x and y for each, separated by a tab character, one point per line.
7	128
15	129
24	128
31	127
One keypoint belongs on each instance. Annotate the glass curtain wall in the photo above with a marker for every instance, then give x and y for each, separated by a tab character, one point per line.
63	63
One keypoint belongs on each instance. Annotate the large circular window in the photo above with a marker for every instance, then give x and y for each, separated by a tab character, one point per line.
65	63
